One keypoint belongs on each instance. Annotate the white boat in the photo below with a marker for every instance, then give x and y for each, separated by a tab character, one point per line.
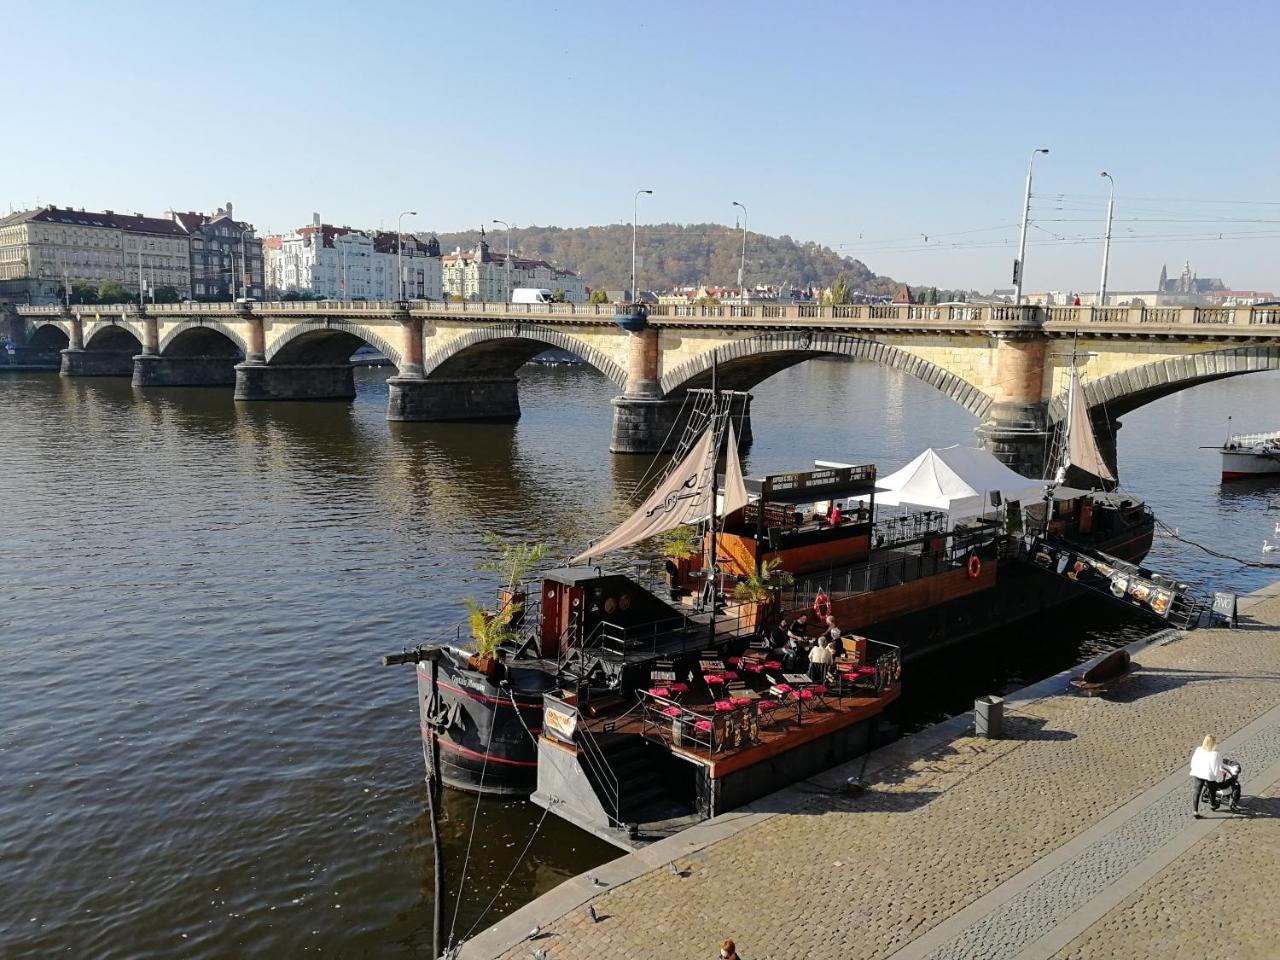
1246	456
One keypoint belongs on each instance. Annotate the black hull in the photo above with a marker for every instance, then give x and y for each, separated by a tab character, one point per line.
485	744
481	720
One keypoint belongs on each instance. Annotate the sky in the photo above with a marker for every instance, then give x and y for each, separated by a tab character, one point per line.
898	133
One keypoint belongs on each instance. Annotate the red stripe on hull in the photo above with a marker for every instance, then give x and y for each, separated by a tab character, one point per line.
450	745
1228	475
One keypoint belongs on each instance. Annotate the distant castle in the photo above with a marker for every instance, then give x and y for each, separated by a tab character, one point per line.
1187	285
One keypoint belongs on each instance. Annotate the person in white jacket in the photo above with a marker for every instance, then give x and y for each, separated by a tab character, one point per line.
1206	768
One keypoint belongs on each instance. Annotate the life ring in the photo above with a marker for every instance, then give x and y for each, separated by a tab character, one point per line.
975	566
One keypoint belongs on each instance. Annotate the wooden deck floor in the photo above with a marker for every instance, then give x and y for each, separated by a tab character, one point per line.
783	734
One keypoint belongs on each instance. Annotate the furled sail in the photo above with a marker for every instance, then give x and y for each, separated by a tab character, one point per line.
1082	447
735	489
683	497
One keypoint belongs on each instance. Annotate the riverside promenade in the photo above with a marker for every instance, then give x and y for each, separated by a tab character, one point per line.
1070	838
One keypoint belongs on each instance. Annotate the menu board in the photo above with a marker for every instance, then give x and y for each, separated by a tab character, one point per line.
1094	572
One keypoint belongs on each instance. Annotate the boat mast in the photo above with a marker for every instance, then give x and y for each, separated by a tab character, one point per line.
715	487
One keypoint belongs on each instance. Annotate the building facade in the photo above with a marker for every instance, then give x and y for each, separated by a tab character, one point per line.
341	263
479	274
45	252
226	256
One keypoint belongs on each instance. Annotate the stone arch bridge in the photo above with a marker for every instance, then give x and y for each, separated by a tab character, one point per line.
458	361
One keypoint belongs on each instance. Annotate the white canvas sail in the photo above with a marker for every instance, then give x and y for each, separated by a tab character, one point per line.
1082	447
684	497
735	489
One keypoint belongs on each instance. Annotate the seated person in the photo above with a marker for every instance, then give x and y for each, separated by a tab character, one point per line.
778	635
833	633
799	628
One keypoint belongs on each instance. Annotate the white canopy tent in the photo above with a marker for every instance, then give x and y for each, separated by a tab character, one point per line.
959	480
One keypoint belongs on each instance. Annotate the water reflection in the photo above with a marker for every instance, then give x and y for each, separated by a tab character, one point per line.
197	737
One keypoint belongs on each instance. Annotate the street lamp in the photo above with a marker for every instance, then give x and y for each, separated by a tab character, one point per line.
508	226
1106	241
742	264
400	247
635	206
1018	264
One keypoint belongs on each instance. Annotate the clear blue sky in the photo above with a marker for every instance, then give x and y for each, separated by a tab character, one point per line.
861	126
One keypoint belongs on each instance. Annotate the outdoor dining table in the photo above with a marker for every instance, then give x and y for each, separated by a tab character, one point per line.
799	681
713	665
662	675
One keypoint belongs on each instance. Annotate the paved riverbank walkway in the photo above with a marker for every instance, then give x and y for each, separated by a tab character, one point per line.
1072	838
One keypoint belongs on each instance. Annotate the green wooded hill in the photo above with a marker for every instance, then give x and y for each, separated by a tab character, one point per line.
678	255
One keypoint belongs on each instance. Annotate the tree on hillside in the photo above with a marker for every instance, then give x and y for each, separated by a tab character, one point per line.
932	296
840	292
683	255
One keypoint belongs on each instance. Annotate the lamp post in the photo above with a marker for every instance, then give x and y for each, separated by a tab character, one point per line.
635	207
1020	263
508	228
400	248
1106	241
742	264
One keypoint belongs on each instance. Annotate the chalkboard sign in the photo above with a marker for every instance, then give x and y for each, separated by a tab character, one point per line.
1224	608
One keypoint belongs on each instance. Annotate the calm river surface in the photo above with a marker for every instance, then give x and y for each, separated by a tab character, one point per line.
200	753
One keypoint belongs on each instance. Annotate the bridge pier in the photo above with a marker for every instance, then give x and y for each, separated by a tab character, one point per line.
656	426
1016	430
261	381
156	371
453	398
79	362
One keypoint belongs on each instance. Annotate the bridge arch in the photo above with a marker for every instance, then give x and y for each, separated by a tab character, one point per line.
1127	390
502	349
210	338
53	335
327	342
743	364
113	337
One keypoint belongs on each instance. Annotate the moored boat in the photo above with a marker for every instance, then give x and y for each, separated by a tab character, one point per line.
1250	456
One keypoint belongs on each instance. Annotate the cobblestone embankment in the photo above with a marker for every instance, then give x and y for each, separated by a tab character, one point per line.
1072	837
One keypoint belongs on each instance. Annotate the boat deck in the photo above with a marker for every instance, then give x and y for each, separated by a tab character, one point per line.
793	727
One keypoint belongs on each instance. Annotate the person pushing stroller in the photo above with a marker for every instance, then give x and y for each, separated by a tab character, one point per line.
1210	774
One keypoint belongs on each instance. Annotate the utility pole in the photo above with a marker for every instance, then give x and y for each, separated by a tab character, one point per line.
1020	264
400	248
635	206
742	264
1106	241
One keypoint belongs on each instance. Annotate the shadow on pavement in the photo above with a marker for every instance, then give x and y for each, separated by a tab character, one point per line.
1149	682
1259	808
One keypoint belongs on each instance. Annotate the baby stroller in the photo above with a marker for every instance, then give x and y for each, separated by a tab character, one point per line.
1224	791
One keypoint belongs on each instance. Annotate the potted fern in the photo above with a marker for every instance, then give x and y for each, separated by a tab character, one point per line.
489	630
756	594
683	547
514	561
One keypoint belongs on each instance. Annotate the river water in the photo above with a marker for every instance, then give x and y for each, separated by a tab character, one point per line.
201	754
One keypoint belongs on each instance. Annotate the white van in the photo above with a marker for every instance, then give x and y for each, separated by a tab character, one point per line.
530	295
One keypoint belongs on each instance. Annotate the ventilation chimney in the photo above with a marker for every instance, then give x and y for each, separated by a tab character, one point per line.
228	208
315	219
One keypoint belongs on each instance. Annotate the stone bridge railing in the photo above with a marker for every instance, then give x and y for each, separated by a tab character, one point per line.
955	317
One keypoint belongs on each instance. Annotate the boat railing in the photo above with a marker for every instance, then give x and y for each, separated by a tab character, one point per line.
596	764
1251	439
674	724
904	567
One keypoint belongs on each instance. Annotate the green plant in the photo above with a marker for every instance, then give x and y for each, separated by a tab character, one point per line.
514	560
681	543
598	296
490	629
759	587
